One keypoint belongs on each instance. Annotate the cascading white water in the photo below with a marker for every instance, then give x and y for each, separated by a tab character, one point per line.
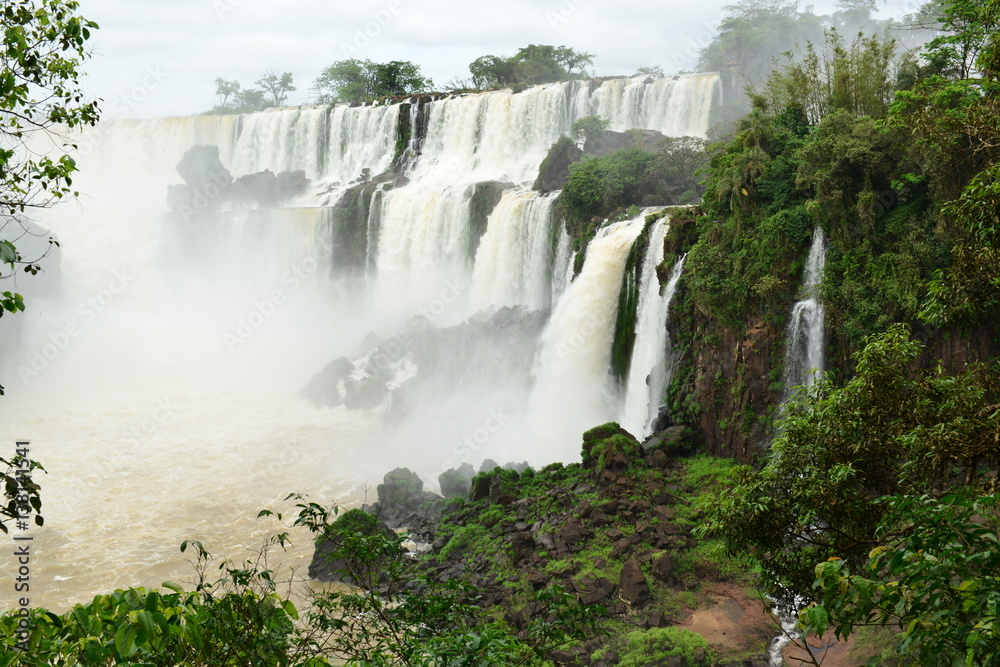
804	356
160	385
572	390
677	106
648	375
512	262
502	136
562	266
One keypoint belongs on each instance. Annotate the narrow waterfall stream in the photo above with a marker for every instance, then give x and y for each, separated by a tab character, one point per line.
806	340
649	371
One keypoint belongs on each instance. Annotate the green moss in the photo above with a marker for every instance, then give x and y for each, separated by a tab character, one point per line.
656	645
628	303
403	134
466	538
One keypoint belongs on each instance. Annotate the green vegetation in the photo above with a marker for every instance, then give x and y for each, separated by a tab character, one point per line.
359	81
656	645
43	50
628	305
241	619
601	186
532	64
234	98
884	432
884	473
934	575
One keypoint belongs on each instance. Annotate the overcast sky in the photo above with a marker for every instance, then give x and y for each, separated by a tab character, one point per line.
161	57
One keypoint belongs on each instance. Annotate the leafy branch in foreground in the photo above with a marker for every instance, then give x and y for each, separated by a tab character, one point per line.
392	616
935	575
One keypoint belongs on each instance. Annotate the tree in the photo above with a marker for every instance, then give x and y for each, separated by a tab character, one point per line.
225	89
276	86
655	71
40	60
364	80
969	29
41	56
887	431
934	575
533	64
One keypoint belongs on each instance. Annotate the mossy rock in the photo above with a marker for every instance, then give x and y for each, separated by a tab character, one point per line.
335	556
665	646
610	447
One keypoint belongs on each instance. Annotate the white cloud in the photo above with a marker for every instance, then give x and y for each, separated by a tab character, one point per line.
195	41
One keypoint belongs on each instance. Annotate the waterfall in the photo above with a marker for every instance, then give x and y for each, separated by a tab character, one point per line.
804	356
572	390
648	373
677	106
512	262
173	352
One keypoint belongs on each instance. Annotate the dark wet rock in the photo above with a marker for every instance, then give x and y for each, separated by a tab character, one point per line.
400	495
485	197
328	563
634	588
323	389
554	171
456	482
662	567
674	441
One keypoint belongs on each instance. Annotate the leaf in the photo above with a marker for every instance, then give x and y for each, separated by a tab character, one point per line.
125	640
176	588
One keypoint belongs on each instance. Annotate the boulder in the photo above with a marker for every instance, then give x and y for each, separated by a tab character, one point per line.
323	389
663	566
456	482
332	562
610	448
400	494
634	588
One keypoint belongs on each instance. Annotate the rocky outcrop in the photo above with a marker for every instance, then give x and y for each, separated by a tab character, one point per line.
331	559
456	482
432	361
208	185
401	499
485	197
324	387
554	171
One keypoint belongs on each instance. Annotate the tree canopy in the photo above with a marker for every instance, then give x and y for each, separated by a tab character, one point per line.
234	98
364	80
533	64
